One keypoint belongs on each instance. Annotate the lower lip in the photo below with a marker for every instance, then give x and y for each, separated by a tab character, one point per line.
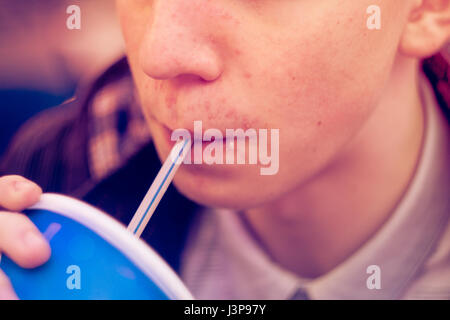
201	167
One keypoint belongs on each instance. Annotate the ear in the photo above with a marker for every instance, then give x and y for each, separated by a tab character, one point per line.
427	29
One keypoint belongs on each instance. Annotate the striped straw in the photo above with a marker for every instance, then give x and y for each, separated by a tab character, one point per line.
158	187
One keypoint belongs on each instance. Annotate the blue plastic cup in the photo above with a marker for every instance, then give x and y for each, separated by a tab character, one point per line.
93	257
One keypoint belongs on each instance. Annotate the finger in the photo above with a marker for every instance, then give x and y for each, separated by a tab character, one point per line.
21	241
6	289
18	193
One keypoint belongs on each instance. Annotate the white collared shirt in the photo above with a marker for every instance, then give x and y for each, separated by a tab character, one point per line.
412	249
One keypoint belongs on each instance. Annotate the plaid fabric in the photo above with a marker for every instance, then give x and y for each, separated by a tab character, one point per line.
117	130
84	140
437	69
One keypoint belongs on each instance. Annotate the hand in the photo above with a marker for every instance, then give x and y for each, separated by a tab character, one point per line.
20	240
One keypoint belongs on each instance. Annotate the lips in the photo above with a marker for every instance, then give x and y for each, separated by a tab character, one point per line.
197	135
200	137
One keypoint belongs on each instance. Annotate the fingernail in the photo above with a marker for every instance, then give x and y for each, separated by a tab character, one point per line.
22	185
34	239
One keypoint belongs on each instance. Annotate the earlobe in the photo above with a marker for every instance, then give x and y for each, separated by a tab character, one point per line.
427	30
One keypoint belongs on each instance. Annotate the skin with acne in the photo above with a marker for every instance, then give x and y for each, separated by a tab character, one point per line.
309	68
192	61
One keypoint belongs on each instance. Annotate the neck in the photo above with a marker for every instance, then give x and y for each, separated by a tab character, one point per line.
317	226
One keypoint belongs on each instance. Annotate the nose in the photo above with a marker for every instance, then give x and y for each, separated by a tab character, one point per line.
178	42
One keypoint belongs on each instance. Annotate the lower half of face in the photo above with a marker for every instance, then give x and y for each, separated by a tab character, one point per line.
309	69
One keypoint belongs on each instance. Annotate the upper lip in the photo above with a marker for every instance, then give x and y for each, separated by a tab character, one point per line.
191	132
194	138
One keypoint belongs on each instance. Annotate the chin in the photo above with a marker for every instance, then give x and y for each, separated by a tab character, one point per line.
233	192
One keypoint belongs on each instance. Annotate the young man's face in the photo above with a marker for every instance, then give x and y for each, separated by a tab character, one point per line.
310	68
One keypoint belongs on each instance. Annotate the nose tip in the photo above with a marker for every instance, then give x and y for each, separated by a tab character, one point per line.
169	55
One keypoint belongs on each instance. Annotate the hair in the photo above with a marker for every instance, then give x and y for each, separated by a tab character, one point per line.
437	69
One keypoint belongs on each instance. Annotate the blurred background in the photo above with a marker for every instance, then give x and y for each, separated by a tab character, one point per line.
42	61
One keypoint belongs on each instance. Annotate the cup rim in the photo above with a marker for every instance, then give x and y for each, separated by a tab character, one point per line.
137	250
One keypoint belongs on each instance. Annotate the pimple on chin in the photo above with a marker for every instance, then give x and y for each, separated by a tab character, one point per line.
171	100
208	106
246	124
157	85
231	114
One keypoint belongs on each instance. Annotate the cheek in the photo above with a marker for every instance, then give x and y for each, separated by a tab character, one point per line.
135	18
317	100
331	74
320	88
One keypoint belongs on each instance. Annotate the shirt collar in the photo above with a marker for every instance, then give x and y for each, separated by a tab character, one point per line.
223	261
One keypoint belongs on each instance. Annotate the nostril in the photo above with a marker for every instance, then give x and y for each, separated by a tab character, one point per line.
168	58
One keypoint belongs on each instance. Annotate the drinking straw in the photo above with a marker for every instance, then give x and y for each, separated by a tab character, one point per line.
158	187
